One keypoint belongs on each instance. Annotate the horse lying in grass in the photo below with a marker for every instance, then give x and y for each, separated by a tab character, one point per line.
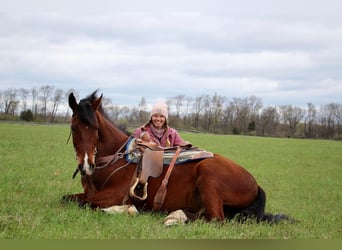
215	187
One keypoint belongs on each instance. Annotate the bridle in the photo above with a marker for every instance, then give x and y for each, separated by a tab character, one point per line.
78	168
106	161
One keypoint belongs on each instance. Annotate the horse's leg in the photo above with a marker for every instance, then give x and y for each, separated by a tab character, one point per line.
212	202
105	199
81	198
210	196
74	197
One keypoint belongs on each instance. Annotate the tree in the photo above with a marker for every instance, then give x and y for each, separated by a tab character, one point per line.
197	110
142	114
330	120
186	120
178	101
26	115
10	101
268	122
217	103
24	94
56	100
207	112
45	92
34	95
310	121
291	117
241	112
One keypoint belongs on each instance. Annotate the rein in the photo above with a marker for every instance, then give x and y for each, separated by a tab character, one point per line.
67	142
112	159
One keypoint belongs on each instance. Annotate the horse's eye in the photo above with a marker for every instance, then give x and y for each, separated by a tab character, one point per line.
73	128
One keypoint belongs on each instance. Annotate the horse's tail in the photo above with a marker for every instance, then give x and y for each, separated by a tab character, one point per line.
257	210
268	217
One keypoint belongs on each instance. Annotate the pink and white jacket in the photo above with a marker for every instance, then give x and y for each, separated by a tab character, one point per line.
170	138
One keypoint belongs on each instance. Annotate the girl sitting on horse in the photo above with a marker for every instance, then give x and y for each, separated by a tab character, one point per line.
159	130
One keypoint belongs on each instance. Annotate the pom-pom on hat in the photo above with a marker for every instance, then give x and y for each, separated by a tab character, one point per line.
159	108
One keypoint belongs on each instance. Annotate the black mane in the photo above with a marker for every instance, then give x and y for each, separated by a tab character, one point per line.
87	114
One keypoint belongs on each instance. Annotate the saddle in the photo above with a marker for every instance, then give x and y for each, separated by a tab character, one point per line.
151	163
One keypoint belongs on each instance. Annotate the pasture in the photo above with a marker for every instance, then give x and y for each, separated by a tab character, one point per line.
302	178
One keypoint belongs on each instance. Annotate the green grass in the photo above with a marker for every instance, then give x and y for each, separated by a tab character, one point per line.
302	178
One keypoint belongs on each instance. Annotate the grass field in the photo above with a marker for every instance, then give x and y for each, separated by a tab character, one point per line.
302	178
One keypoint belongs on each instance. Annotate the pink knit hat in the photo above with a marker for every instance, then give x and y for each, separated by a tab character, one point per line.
159	108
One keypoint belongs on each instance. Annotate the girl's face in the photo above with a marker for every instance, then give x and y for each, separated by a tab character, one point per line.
158	120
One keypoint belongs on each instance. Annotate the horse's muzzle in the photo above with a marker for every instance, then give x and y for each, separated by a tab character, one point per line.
88	170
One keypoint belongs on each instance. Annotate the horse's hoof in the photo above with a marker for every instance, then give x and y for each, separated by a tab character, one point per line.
177	217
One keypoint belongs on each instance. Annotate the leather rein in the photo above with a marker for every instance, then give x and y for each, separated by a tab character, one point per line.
112	159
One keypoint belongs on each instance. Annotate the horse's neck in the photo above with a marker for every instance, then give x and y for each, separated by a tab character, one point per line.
111	139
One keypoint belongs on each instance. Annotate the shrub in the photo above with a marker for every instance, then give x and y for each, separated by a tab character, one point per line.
26	115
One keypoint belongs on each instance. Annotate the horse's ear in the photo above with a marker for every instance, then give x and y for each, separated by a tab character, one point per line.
97	102
72	102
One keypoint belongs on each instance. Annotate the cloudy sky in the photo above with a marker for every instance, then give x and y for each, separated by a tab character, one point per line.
285	52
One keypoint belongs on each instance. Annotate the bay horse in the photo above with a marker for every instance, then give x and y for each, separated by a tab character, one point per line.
217	187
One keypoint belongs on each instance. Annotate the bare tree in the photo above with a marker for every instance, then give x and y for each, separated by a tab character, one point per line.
291	116
240	110
268	122
330	120
188	103
2	102
56	100
217	103
255	105
114	112
227	119
24	94
10	101
34	95
197	110
207	112
45	92
178	101
310	122
142	113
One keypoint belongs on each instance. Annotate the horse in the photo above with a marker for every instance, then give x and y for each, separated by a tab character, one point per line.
214	188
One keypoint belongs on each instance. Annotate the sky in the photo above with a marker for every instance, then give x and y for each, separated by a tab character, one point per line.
284	52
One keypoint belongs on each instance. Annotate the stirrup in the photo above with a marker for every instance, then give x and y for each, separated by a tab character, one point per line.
132	191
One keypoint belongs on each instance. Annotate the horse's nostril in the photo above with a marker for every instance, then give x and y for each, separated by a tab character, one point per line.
92	166
81	169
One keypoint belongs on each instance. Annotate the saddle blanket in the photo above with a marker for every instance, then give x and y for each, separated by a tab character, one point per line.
186	155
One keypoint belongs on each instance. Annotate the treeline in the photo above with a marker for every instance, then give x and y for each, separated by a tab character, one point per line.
205	113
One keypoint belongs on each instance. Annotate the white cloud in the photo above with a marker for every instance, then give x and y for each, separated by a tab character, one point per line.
281	52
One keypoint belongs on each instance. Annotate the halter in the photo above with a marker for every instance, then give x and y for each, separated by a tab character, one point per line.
95	151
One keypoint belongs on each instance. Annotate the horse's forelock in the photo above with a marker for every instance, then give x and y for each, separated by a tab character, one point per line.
86	113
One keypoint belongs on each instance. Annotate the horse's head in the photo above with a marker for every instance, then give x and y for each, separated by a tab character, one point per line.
84	130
